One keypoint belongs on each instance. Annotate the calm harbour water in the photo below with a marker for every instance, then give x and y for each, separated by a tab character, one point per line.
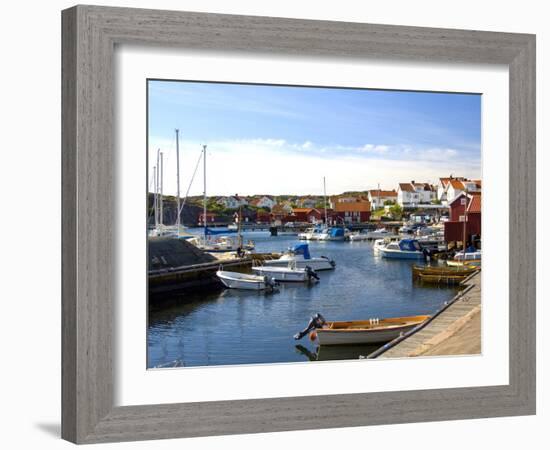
246	327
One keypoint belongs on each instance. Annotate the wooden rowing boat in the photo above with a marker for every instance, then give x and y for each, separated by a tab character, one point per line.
441	278
372	331
464	271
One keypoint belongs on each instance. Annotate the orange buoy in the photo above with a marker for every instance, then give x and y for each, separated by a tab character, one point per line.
313	336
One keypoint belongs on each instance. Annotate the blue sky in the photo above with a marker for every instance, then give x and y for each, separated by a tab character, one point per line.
278	139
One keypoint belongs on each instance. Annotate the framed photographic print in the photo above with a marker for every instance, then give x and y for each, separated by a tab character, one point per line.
277	224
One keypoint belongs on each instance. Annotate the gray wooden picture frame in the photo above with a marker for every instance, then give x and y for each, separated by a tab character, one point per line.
90	34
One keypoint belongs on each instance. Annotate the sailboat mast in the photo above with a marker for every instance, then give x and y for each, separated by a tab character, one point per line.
157	189
204	192
155	200
161	212
178	179
464	233
325	194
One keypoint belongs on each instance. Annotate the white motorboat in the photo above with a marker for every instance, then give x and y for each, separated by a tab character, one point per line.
311	234
472	258
355	237
287	273
300	257
404	249
379	244
334	234
224	244
236	280
380	233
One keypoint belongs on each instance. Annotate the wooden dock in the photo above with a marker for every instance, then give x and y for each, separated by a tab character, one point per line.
455	329
200	275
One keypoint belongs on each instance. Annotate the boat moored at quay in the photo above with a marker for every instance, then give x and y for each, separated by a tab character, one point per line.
288	274
370	331
299	256
404	249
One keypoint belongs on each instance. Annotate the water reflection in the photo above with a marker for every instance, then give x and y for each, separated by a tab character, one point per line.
246	327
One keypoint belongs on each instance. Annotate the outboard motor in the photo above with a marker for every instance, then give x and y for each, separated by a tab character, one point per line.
427	254
331	261
270	284
311	274
317	321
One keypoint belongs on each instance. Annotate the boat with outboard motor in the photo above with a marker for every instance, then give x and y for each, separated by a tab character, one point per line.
300	256
289	273
371	331
237	280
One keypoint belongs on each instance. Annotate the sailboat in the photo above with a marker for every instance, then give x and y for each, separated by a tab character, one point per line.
160	229
337	233
221	242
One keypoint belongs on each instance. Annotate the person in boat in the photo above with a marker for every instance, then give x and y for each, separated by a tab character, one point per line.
240	252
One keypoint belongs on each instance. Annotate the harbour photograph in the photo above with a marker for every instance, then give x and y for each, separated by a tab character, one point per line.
301	224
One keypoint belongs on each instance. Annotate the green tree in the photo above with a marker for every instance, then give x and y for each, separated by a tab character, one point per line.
396	211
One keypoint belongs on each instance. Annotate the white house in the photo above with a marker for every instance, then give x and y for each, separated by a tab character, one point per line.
426	191
264	202
412	194
232	202
307	202
378	197
456	186
407	195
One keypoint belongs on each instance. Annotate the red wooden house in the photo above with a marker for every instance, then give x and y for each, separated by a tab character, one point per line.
464	218
352	209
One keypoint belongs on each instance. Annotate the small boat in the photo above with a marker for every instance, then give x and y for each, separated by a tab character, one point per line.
354	237
300	257
379	244
442	271
447	279
287	273
334	234
380	233
311	234
224	244
371	331
237	280
404	249
472	258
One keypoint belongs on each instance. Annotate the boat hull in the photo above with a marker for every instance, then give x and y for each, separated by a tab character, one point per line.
400	254
314	263
339	337
249	283
384	330
282	275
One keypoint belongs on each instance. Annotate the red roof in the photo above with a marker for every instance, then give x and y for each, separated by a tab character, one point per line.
457	184
475	203
407	187
303	210
376	193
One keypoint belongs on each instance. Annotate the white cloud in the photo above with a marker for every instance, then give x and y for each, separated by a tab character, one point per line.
372	148
276	166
